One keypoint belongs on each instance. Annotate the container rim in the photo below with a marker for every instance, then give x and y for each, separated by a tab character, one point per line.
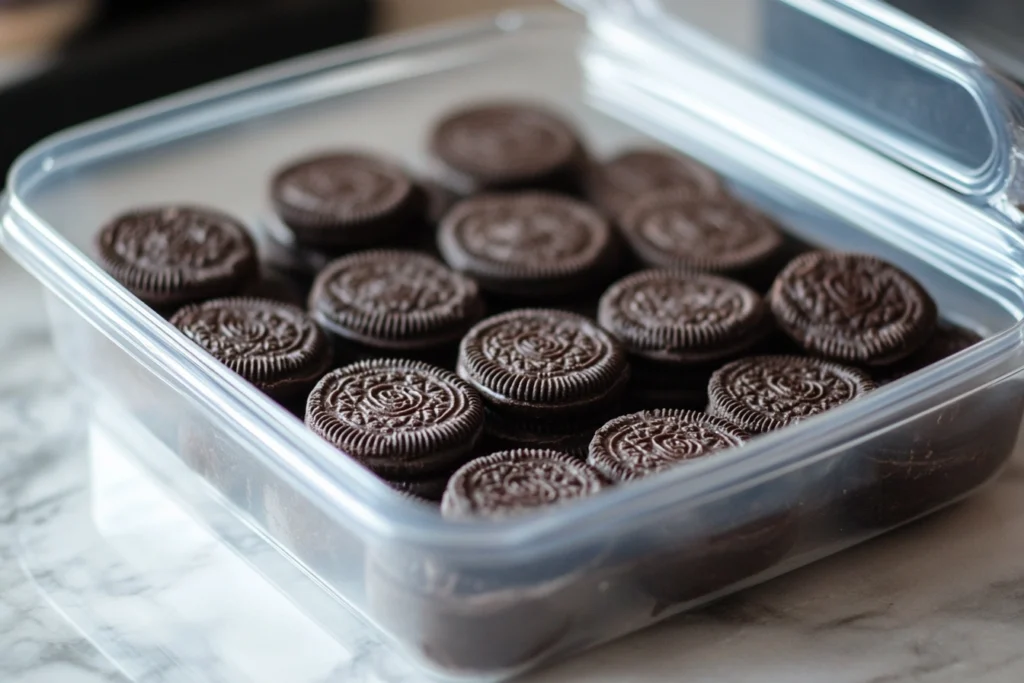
337	484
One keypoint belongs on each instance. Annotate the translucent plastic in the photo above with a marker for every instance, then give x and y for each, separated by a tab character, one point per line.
863	66
494	598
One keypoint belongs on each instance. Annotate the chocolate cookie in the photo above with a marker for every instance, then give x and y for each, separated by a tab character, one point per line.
470	619
706	551
764	393
280	251
528	244
437	200
225	464
852	308
344	200
676	317
275	346
890	487
174	255
678	229
615	185
567	435
947	340
401	419
508	146
679	328
515	482
430	489
540	362
393	301
277	286
640	444
931	460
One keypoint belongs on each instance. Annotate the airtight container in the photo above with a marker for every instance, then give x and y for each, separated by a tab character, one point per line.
852	124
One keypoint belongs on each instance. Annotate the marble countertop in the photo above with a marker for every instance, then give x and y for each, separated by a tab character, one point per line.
89	593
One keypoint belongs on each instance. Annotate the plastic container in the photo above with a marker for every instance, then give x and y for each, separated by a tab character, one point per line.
841	159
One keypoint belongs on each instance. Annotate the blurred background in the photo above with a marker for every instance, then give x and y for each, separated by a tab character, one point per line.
67	61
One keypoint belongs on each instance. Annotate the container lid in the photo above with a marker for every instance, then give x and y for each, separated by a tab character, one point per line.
860	66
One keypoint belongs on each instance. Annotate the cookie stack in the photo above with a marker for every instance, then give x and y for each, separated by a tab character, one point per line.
547	377
410	423
712	546
640	283
394	303
334	203
169	256
644	321
678	327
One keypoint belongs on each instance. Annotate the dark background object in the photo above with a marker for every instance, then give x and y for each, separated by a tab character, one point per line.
136	51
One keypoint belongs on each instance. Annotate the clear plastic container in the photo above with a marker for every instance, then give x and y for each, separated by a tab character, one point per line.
937	196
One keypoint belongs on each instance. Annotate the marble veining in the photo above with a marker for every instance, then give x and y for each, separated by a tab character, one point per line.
102	580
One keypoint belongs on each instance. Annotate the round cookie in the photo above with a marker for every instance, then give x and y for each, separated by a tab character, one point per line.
676	317
947	340
640	444
274	345
567	435
280	251
344	199
276	285
173	255
684	565
528	244
401	419
505	145
542	362
852	308
471	621
437	199
615	185
393	300
764	393
514	482
677	229
430	489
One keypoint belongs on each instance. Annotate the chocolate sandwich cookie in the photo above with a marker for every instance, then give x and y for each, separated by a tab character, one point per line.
394	302
276	286
930	460
345	200
280	251
428	490
852	308
543	363
476	619
947	340
708	547
678	328
891	485
516	482
173	255
508	146
675	317
645	443
764	393
528	245
403	420
704	552
677	229
274	345
437	200
615	185
570	435
223	463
